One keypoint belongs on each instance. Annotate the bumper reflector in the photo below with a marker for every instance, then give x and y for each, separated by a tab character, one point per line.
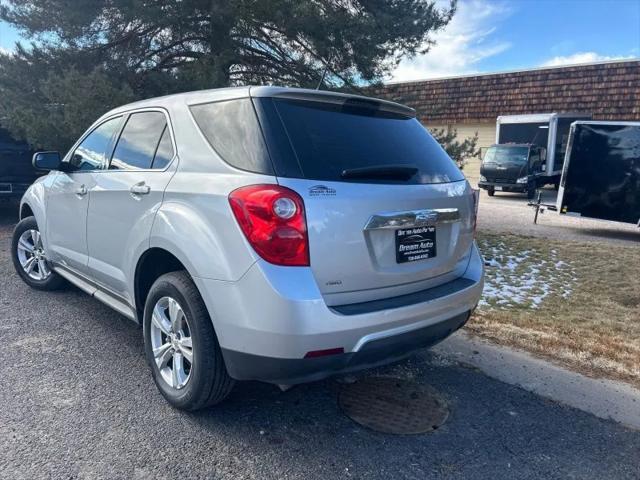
324	353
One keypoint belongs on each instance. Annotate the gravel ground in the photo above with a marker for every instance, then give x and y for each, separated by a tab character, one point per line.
508	212
78	402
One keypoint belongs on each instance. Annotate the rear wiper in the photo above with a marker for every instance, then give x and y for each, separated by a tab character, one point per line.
395	172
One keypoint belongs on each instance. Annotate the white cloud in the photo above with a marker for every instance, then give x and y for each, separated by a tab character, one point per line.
467	40
580	57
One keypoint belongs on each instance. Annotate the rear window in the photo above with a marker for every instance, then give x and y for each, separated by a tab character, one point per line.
328	139
232	129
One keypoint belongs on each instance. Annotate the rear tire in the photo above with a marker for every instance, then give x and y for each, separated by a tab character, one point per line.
29	257
491	192
201	382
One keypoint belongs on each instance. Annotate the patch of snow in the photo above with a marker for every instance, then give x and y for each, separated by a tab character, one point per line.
523	277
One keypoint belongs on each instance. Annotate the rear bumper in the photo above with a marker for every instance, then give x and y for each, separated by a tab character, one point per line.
507	187
291	371
273	316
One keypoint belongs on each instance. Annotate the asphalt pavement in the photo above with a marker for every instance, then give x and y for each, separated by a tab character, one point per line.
78	402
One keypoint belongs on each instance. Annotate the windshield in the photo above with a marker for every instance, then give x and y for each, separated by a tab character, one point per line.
342	142
502	155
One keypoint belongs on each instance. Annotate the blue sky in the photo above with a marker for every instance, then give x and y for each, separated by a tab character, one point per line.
495	35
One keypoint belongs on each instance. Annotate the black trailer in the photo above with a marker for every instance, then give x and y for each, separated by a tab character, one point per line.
601	173
16	169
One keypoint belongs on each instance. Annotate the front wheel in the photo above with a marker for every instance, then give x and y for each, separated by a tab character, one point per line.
531	193
181	345
491	192
30	258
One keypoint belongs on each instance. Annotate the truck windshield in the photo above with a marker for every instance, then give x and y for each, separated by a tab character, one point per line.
502	155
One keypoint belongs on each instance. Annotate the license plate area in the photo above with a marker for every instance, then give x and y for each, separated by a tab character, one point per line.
415	243
499	189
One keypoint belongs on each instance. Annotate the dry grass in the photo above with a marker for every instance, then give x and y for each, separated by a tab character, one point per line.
594	328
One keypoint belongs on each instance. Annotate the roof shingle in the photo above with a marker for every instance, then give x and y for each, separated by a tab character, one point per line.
609	91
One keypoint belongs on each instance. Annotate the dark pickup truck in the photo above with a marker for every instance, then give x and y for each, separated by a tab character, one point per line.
16	169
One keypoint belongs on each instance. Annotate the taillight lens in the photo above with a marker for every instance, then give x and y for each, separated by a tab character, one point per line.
273	220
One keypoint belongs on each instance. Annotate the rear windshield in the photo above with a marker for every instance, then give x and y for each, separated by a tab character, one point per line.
328	139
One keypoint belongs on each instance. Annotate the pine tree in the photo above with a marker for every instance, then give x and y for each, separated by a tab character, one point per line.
83	58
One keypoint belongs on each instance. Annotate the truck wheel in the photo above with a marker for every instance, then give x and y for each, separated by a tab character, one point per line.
181	345
531	193
491	192
30	259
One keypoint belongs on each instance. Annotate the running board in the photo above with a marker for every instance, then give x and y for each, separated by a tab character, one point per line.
88	287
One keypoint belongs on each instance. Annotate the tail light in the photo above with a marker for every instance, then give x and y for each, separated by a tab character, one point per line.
273	220
476	204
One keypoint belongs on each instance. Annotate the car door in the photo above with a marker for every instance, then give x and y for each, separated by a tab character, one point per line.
125	197
68	200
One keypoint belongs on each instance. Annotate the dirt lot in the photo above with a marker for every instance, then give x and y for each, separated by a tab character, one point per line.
509	213
567	289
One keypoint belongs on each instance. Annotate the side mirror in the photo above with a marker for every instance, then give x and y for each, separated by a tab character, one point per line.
47	160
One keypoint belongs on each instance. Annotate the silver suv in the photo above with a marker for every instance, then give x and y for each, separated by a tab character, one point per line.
258	233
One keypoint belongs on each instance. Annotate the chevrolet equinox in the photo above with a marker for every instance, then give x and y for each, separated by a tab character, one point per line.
258	233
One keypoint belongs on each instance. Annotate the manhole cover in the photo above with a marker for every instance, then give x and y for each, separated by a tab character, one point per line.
393	405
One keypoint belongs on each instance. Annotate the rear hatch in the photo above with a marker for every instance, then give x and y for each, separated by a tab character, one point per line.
388	212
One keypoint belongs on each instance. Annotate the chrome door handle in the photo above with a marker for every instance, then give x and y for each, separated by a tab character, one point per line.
140	189
81	191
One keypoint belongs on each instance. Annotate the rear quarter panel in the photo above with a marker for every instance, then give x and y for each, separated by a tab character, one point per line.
196	224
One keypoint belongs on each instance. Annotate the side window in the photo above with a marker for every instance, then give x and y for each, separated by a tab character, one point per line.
139	141
165	152
232	129
91	154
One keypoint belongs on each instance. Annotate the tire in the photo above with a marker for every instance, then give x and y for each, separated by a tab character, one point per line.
531	193
491	192
207	381
27	250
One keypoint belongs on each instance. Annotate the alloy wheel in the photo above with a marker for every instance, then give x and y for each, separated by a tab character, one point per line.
171	342
31	255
